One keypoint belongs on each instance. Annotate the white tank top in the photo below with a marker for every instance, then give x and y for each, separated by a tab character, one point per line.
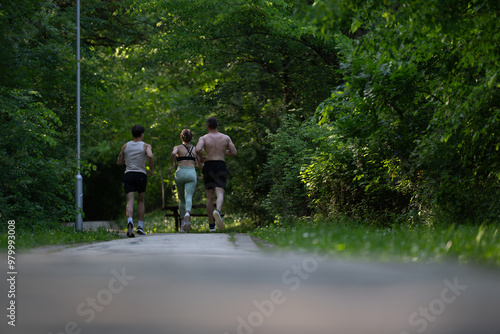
135	157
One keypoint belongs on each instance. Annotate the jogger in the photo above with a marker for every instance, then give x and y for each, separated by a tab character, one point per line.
134	155
216	146
185	176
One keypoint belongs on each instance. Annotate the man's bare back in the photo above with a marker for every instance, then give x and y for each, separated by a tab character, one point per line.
216	145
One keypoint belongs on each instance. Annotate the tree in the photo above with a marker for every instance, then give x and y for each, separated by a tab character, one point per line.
36	71
247	63
421	99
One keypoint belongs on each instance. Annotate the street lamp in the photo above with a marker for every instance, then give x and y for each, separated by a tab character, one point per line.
79	179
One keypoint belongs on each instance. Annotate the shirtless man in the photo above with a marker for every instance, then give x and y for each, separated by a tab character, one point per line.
216	145
134	155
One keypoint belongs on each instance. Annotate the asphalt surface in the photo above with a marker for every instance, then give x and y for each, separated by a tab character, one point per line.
210	283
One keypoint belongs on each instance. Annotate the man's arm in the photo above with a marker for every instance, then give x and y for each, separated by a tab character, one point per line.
151	160
199	149
231	149
121	157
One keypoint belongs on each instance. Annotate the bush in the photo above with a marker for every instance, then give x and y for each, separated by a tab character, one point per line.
292	147
36	177
414	129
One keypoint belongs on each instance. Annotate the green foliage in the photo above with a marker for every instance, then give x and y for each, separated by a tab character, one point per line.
406	95
37	110
420	102
34	185
292	147
247	63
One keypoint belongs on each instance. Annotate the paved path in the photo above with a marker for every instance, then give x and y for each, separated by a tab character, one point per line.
206	283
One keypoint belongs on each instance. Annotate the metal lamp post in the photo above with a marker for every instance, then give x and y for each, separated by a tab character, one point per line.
79	179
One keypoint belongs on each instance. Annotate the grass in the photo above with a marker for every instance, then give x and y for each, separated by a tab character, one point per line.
347	239
156	222
341	238
37	235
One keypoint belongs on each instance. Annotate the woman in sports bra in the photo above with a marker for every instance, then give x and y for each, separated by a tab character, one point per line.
185	176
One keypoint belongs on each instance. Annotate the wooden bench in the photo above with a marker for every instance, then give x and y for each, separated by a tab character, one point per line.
177	216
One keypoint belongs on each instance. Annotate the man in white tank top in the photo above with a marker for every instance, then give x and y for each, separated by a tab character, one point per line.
134	155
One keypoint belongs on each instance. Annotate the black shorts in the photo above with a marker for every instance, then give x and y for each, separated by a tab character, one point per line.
215	174
135	182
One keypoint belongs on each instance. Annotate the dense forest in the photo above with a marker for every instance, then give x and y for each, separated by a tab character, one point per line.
386	111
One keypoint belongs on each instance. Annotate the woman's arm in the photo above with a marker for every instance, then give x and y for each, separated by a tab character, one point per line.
172	158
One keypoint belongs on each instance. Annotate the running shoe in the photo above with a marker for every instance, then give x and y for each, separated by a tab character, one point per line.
182	226
130	230
218	219
140	231
211	227
187	222
185	227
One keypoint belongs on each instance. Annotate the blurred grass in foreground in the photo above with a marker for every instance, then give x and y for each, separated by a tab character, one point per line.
32	236
349	239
